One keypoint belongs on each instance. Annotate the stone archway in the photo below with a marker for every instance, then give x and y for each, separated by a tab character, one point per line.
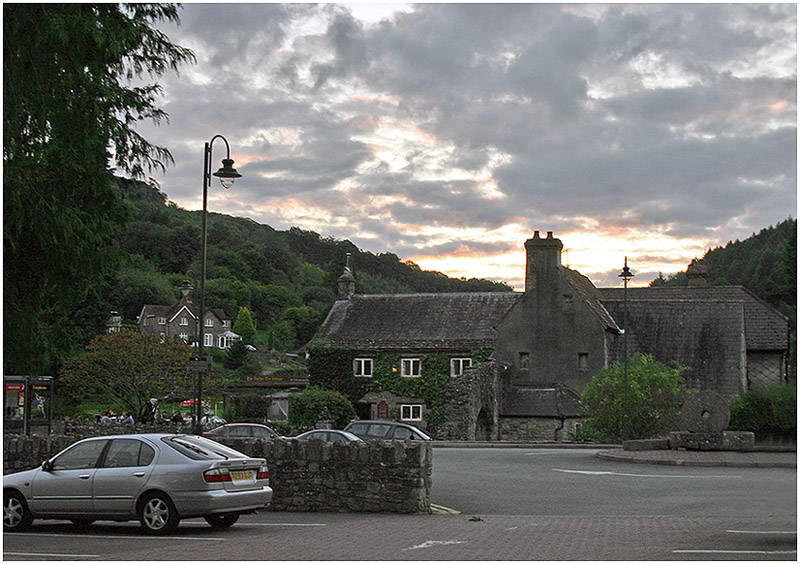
483	427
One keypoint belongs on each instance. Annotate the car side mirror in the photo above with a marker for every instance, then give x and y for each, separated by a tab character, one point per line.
47	466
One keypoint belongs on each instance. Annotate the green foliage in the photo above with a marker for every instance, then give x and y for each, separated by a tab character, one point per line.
332	368
69	115
129	367
766	411
314	404
655	396
236	355
244	327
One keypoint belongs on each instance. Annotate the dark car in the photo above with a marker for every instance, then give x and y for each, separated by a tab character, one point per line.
241	431
332	435
387	430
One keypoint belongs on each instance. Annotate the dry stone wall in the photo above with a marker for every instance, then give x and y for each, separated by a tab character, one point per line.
373	476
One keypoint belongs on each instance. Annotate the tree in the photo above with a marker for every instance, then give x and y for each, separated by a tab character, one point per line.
244	327
131	368
314	404
236	356
65	110
655	397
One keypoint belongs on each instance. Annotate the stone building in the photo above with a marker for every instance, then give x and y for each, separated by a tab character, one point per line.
550	340
180	320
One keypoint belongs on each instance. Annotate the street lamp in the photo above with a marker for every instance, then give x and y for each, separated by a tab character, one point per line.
226	174
626	275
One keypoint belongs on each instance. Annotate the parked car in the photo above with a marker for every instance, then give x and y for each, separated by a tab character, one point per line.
332	435
242	431
388	430
157	478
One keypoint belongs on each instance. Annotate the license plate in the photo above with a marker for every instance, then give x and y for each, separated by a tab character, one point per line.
242	475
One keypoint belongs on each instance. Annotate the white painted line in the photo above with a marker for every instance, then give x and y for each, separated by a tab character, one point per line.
50	555
140	537
565	451
735	551
763	532
281	524
600	473
430	543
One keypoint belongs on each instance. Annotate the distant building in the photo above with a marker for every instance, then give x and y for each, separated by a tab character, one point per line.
180	320
549	341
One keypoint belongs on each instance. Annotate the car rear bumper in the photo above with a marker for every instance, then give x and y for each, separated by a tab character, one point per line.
192	504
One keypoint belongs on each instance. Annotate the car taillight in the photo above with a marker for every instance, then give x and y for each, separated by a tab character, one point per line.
217	475
263	473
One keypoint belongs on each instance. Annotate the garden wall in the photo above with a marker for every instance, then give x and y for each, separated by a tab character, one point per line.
373	476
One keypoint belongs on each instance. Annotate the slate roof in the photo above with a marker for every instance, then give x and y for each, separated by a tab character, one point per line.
765	328
592	296
462	321
169	311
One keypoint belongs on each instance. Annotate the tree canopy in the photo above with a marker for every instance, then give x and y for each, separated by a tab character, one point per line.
69	110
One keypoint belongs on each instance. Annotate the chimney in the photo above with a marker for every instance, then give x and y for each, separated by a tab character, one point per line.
697	273
347	283
543	259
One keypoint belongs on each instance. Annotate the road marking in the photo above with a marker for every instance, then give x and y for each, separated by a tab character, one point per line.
599	473
439	510
50	555
735	551
282	524
151	537
763	532
430	543
565	451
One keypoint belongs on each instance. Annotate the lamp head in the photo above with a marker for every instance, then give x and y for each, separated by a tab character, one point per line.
626	273
227	174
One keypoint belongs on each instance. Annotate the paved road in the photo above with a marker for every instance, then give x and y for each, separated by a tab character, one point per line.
523	481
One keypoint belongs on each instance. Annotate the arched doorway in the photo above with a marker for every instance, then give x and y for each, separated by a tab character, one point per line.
483	428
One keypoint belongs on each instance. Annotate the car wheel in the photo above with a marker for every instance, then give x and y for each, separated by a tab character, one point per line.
157	514
222	520
16	515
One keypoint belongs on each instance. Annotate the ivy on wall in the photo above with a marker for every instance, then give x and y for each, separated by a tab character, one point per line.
332	368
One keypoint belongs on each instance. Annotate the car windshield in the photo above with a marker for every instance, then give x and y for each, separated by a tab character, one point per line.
199	448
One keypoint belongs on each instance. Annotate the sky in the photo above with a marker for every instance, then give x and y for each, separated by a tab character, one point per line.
448	133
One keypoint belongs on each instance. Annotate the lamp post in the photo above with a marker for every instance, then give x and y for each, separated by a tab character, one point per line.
626	275
226	174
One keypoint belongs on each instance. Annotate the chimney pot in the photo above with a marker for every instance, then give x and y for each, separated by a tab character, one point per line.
549	234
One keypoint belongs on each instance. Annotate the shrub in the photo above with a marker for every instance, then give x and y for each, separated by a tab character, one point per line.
314	404
655	397
249	406
766	411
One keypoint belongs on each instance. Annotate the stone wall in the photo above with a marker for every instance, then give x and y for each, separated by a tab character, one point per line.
471	405
374	476
536	428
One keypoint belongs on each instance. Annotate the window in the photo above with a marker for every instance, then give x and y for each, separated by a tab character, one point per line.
184	336
362	367
226	342
81	456
209	322
225	324
128	452
583	362
208	340
410	412
524	361
458	365
410	368
162	320
184	322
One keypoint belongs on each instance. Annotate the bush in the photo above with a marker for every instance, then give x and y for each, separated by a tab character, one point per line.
766	411
249	406
655	397
314	404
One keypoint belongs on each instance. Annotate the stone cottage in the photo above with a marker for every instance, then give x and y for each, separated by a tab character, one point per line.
548	342
180	320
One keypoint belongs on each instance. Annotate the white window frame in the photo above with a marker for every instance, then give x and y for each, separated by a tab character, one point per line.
184	322
458	365
184	336
209	322
162	320
360	366
209	339
410	368
411	412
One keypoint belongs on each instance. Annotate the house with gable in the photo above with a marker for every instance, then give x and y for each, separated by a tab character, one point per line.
180	320
546	343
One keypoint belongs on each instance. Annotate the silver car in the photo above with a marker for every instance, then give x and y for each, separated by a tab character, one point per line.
157	478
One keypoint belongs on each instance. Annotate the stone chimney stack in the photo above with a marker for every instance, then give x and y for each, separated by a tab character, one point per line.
697	273
347	283
543	259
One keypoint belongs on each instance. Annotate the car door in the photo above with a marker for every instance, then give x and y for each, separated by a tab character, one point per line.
122	475
239	432
65	487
